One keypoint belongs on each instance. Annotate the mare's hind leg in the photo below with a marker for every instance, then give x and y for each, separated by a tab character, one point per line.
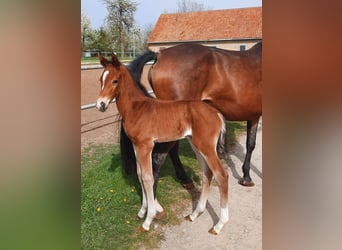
252	126
179	168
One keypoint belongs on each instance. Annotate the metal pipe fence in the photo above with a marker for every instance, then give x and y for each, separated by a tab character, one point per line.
93	105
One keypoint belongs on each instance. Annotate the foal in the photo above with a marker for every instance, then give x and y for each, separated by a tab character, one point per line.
148	120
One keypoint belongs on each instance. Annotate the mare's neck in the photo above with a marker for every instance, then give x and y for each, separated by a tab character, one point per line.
128	93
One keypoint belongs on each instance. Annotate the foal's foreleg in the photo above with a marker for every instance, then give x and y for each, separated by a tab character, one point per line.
143	208
143	155
159	208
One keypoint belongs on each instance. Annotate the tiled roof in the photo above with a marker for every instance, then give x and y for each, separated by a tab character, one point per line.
208	25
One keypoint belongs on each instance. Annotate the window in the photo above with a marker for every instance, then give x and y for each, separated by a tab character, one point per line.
242	47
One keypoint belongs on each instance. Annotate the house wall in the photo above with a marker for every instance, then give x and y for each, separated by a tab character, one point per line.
227	44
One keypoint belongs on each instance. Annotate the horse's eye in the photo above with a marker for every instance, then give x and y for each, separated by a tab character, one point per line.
115	81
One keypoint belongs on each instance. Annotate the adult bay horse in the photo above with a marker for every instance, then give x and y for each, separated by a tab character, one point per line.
147	120
230	81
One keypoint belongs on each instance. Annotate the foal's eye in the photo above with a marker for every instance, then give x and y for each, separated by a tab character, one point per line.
115	81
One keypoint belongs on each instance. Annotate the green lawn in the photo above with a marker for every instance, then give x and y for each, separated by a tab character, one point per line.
110	200
96	60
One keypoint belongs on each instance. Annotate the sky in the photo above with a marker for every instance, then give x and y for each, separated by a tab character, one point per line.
148	11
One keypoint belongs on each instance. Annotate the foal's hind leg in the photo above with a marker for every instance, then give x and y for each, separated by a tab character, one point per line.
221	177
206	181
252	127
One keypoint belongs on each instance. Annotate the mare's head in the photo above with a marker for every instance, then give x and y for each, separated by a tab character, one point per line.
110	78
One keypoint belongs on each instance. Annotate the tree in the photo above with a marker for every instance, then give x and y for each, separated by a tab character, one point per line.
102	40
145	35
120	20
86	31
190	6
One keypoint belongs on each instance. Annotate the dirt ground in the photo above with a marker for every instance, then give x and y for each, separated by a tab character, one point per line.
244	228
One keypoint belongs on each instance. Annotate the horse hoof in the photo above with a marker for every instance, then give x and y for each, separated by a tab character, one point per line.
246	183
212	231
188	218
141	229
188	186
161	215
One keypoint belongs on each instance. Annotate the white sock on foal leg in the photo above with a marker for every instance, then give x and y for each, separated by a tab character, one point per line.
143	208
224	217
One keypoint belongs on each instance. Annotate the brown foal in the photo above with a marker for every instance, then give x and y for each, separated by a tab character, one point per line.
148	120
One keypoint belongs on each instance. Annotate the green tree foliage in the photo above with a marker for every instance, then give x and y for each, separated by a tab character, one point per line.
102	40
86	31
120	20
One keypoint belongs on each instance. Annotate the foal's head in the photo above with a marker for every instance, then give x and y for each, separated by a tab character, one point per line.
109	79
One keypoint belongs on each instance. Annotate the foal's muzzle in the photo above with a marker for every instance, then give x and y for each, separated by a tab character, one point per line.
101	106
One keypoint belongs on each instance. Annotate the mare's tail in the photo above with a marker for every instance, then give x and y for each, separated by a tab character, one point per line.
126	147
136	67
222	141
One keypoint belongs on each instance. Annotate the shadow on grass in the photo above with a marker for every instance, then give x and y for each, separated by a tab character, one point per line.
130	180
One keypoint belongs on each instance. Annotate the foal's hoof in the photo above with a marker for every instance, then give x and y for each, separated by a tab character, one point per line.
212	231
161	215
188	218
246	183
141	229
188	186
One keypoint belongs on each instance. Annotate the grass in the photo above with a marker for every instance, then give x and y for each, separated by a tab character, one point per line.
96	59
110	200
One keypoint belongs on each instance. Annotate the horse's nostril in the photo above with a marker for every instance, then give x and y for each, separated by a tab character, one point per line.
102	104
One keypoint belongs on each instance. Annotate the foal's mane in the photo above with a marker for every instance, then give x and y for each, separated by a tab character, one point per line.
136	67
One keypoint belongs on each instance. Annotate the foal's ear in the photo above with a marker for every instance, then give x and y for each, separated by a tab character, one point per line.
115	61
103	60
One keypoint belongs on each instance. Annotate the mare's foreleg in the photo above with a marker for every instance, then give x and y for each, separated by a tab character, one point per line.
157	161
252	126
179	168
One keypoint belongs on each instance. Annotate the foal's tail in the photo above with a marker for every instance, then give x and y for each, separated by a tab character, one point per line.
222	141
126	147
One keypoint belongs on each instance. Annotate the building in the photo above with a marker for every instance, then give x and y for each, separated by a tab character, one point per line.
234	29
